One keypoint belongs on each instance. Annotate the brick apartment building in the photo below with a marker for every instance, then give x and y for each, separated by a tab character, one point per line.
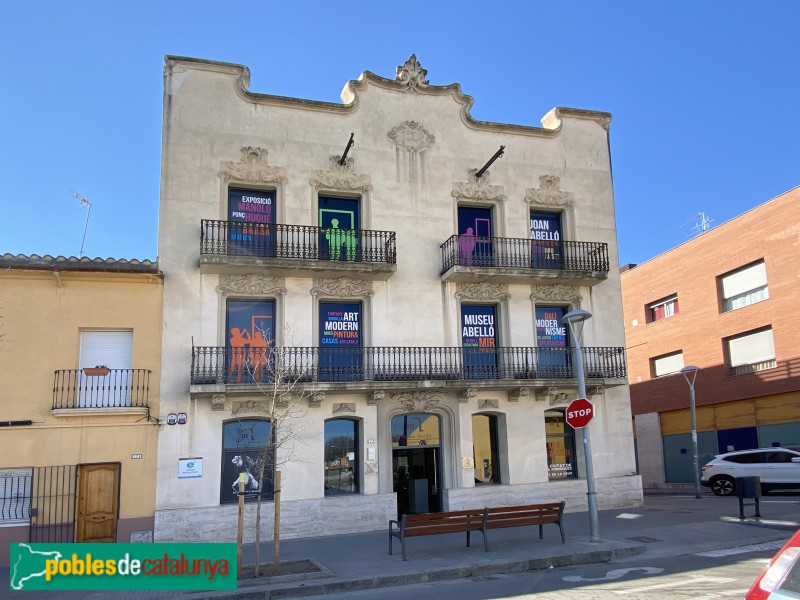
726	302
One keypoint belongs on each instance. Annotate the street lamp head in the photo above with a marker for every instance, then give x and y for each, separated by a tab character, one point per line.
689	369
689	373
576	316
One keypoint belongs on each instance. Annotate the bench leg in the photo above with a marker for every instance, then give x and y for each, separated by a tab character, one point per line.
390	541
403	545
563	539
485	540
540	531
467	539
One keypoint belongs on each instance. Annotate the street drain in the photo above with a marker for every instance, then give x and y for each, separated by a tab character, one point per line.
644	539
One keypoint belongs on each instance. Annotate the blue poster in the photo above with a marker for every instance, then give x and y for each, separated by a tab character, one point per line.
251	222
552	341
339	228
479	341
546	247
250	330
340	341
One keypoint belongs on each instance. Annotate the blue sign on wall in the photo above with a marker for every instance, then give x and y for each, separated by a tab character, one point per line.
479	341
339	341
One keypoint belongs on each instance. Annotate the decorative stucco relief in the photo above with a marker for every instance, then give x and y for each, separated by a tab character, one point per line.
412	136
251	285
418	401
340	177
549	193
342	287
553	396
478	188
556	293
343	407
252	168
482	291
412	75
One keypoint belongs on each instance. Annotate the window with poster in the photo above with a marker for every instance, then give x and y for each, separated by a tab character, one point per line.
560	438
249	333
251	222
340	341
246	449
552	342
340	223
479	340
546	240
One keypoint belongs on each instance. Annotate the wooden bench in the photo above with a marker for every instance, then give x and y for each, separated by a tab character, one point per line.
433	523
530	514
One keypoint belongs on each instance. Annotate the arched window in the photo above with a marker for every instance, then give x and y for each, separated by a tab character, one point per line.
560	445
484	449
246	449
341	462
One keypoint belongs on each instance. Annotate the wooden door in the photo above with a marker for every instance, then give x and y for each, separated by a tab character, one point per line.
98	503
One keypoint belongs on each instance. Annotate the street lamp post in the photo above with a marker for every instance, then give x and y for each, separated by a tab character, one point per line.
572	319
690	374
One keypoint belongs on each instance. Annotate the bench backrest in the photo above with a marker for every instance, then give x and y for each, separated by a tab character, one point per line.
447	522
529	514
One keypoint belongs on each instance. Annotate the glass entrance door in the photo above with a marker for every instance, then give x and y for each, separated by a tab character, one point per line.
416	464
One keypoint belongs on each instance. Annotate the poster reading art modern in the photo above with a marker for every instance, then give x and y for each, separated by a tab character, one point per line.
250	218
339	341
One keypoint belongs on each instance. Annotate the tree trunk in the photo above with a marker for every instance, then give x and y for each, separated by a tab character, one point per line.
240	526
276	542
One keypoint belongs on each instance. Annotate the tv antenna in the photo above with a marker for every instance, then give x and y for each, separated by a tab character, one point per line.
87	204
701	224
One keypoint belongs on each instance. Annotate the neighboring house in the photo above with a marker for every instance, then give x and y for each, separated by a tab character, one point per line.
78	443
726	302
423	285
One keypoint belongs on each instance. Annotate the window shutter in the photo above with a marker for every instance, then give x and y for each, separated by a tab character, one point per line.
113	349
739	282
750	349
668	364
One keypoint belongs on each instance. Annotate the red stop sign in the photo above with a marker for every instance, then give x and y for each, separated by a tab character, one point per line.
579	413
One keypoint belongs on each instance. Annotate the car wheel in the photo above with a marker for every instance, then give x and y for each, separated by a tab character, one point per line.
723	486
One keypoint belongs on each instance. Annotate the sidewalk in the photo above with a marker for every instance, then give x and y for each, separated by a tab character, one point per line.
668	524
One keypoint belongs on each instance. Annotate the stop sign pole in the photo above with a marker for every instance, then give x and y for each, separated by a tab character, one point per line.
578	316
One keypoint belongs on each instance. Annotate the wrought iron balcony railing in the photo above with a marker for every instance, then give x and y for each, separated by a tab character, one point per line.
521	253
221	365
118	388
303	242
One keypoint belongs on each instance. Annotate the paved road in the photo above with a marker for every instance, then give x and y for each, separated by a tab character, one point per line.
691	576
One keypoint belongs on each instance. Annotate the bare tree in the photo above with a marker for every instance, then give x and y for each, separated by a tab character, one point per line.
280	371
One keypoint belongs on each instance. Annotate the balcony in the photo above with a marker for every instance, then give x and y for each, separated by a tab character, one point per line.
119	390
520	260
228	247
397	367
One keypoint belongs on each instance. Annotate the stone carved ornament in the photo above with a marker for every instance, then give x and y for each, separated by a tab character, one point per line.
478	188
412	75
252	168
340	177
549	193
342	287
251	285
411	136
418	401
556	293
482	291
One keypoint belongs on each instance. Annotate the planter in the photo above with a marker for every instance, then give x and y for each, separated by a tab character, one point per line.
101	371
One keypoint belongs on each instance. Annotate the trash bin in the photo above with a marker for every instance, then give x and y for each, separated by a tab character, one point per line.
748	488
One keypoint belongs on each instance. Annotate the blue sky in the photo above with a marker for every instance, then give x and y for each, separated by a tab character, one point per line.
704	97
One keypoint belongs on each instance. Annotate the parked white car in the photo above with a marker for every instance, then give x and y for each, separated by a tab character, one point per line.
777	467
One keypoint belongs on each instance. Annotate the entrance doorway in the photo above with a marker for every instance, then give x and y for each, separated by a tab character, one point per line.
416	463
98	503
